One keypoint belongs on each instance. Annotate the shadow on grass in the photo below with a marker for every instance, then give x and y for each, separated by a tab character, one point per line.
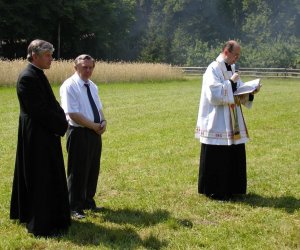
122	236
135	217
144	219
87	234
287	203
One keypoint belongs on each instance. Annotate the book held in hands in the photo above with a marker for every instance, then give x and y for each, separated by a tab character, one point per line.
248	87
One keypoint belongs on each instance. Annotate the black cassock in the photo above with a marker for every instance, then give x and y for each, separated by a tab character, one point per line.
39	194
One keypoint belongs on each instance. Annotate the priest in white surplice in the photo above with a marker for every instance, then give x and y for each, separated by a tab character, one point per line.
221	128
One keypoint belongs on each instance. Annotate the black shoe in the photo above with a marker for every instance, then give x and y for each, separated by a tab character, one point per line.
77	214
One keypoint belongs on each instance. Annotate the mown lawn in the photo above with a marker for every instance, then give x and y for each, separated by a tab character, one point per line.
148	182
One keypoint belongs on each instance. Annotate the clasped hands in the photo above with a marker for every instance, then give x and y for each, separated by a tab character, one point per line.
100	128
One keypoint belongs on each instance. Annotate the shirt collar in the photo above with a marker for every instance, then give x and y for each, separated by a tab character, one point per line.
220	58
80	81
35	66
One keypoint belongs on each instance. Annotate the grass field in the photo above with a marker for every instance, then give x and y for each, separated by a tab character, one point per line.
148	182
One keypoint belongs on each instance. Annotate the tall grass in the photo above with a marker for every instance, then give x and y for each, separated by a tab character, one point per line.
148	180
104	72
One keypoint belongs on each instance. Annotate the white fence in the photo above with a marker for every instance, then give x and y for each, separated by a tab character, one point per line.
254	72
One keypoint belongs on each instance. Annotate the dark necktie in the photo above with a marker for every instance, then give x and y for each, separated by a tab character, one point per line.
93	105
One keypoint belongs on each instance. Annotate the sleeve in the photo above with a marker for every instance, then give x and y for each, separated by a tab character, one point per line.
218	90
251	97
69	99
233	85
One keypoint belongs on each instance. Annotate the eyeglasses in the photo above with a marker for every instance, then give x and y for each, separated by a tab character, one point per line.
235	54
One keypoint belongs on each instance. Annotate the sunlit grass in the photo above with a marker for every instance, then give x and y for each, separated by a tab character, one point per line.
148	182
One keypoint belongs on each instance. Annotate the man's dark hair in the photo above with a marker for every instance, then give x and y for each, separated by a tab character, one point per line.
229	45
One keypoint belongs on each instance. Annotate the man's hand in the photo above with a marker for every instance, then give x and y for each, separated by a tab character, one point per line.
103	126
235	77
97	128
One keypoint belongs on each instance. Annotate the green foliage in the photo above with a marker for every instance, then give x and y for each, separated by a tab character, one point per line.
202	53
93	26
257	22
149	170
187	32
154	30
280	52
181	44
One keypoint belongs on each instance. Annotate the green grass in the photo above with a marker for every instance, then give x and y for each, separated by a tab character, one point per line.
149	171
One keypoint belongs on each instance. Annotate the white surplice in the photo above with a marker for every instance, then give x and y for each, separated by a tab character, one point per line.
214	124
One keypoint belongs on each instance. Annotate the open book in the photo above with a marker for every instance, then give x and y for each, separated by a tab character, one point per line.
247	87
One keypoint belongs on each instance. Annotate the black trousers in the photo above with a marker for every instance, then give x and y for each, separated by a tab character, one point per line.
222	170
84	153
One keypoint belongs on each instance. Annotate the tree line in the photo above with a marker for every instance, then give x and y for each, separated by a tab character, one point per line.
178	32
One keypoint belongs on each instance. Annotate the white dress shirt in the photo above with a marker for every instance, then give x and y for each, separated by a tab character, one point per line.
74	98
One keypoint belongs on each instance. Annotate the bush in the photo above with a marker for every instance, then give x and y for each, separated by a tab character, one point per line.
277	53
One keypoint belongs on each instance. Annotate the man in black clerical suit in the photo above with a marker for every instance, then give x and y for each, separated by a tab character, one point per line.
39	193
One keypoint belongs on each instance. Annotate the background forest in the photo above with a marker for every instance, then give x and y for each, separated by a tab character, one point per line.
178	32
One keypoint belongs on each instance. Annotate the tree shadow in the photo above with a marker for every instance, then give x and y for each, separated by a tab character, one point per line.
287	203
120	236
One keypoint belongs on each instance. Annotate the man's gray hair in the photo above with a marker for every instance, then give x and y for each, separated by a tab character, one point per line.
38	47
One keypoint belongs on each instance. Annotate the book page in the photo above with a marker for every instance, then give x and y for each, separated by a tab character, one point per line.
247	87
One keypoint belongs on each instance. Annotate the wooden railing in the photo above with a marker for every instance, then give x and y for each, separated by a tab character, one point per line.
253	72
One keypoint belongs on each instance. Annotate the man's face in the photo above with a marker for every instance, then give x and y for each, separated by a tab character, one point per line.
85	69
43	61
232	57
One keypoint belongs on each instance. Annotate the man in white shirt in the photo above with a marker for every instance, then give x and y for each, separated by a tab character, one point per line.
83	108
221	128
